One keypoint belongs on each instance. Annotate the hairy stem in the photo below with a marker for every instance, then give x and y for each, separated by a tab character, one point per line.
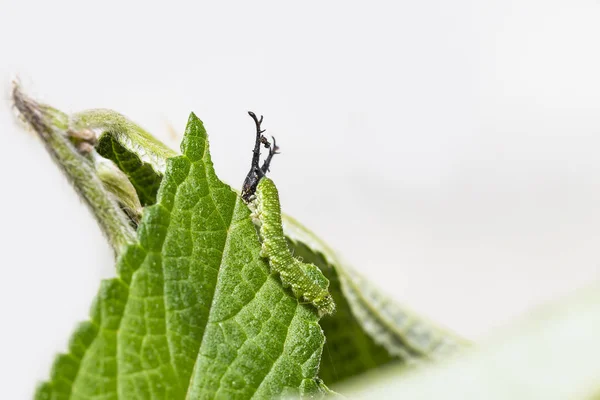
50	125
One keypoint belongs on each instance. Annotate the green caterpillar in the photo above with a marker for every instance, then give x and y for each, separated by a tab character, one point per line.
306	280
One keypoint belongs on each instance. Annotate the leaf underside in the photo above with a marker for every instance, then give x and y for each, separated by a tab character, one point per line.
194	312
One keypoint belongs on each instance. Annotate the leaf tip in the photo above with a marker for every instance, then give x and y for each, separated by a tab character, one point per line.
194	144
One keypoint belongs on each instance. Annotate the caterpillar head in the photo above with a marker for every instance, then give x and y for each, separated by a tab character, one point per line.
325	304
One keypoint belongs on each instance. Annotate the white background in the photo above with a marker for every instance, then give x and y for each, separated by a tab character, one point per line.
449	149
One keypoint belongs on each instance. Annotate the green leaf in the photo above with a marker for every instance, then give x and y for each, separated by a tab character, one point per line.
194	311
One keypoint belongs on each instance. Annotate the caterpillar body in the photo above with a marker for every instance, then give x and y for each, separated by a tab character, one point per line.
306	281
260	193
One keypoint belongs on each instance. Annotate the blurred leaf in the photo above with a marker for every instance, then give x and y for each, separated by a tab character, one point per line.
553	354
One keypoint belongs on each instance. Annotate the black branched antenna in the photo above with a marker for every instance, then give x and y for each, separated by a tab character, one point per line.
272	151
257	172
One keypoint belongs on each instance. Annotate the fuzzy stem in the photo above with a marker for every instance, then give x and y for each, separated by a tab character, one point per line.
50	125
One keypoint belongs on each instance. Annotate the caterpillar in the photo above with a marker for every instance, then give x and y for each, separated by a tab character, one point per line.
306	280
